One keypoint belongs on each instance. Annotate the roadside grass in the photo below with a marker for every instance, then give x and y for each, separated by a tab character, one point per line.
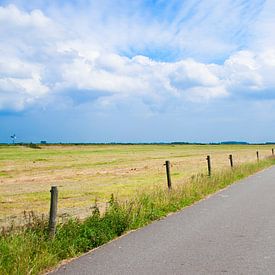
28	250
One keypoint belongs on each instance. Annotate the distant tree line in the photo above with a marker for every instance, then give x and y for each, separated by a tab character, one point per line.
36	146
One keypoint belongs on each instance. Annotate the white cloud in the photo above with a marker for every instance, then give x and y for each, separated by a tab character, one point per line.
42	57
18	93
11	16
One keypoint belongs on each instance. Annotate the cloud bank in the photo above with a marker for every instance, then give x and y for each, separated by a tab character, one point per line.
50	56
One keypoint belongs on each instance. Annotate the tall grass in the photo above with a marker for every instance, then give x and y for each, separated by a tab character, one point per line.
28	250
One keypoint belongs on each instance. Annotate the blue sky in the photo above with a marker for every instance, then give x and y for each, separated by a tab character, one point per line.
137	71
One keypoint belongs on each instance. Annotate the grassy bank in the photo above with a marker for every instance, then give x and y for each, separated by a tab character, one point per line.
29	251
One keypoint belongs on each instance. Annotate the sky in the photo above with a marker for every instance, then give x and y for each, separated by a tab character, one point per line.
137	71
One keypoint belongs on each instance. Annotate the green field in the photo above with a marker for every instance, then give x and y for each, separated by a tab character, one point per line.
85	173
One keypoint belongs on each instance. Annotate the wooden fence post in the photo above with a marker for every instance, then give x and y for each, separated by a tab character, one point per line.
231	160
272	152
257	153
169	183
53	211
209	165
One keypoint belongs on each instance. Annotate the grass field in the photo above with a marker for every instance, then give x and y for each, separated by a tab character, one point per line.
84	173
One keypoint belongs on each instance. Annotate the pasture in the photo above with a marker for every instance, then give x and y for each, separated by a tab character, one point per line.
85	173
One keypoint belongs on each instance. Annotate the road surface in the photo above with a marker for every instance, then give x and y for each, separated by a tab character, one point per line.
231	232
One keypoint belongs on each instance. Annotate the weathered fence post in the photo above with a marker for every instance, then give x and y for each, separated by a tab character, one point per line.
272	152
257	153
209	165
169	183
53	211
231	160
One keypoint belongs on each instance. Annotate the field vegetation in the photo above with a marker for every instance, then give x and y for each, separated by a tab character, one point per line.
29	250
86	173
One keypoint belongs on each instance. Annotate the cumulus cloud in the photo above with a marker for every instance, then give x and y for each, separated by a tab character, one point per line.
41	57
13	17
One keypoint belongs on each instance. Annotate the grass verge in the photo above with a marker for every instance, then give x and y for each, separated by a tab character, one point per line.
29	251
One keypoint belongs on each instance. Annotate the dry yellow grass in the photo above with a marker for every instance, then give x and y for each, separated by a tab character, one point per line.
89	172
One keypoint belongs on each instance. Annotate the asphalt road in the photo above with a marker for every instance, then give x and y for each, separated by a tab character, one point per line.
231	232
